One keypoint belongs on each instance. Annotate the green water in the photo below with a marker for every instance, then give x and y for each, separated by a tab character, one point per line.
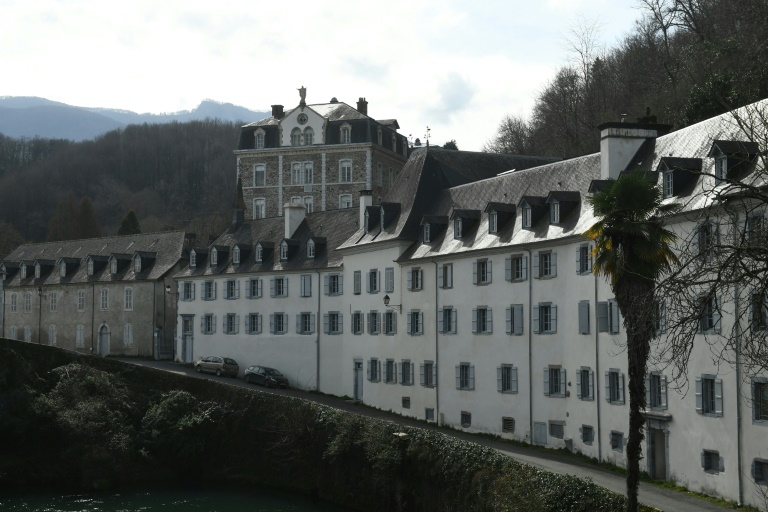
165	501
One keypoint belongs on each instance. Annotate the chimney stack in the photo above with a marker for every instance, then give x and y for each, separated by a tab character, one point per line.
277	111
366	200
294	214
619	142
362	106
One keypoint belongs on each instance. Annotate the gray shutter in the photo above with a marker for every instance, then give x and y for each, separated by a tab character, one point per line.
272	287
614	309
607	386
525	267
368	282
602	317
719	397
421	374
214	324
591	385
716	315
553	311
508	312
454	315
517	318
458	376
394	323
474	272
272	323
621	388
237	324
237	289
554	264
298	323
536	266
535	319
578	260
546	381
434	374
326	324
508	268
285	287
202	324
440	276
341	323
421	323
440	325
341	284
489	321
410	369
563	381
326	284
584	317
578	383
410	278
489	266
474	320
258	323
699	405
472	376
248	289
513	380
409	322
449	276
647	381
357	276
378	280
664	392
498	379
400	371
215	288
370	364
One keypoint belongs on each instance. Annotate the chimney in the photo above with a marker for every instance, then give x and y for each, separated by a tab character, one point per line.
619	142
366	200
293	214
362	106
277	111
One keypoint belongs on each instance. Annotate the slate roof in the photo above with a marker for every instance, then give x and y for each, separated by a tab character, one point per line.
332	111
168	248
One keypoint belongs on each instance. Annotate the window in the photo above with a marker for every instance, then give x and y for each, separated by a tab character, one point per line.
81	300
236	255
104	299
557	429
306	285
457	228
425	233
13	302
545	265
709	395
705	240
209	290
617	441
308	178
659	317
446	320
585	378
466	419
357	322
259	208
192	261
544	319
345	201
587	434
516	268
305	323
390	371
259	140
482	320
357	278
53	301
506	378
37	271
259	175
334	322
128	300
721	169
346	134
278	287
278	323
389	279
760	401
258	254
406	372
112	266
52	334
415	323
526	216
554	212
760	471
373	281
507	425
345	171
214	257
296	173
23	271
614	386
465	376
62	269
231	323
583	260
583	317
709	315
445	276
756	234
379	175
80	336
515	319
481	272
711	461
414	279
309	136
428	374
668	185
309	204
656	391
296	137
137	264
406	402
373	322
758	311
27	333
493	222
232	290
28	301
334	284
208	324
381	143
608	317
128	335
554	381
253	325
390	323
284	251
374	370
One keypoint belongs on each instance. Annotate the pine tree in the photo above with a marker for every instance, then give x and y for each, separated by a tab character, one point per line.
129	225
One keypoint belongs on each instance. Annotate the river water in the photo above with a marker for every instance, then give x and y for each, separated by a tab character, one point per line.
166	501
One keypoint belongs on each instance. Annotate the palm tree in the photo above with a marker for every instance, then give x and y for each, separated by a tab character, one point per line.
632	249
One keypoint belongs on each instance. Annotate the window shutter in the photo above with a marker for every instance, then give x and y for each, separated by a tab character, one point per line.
607	386
508	312
508	268
224	324
474	320
259	291
489	266
517	318
421	374
368	283
341	323
248	290
498	379
449	277
535	319
394	323
272	287
237	324
664	392
546	381
525	267
213	323
563	382
719	397
378	280
421	323
454	315
341	284
326	324
578	383
434	374
584	317
602	317
647	381
370	364
613	306
489	320
202	324
410	371
410	279
474	272
472	377
326	285
258	323
400	371
554	264
458	377
440	283
237	289
285	287
703	459
716	315
440	326
578	260
357	276
621	388
553	310
513	380
215	288
409	322
298	323
591	385
378	371
193	292
536	266
699	406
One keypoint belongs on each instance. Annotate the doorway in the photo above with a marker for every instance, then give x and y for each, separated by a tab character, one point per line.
104	341
358	380
539	432
186	338
657	453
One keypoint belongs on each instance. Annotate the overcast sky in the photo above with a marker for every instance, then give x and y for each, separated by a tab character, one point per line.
455	66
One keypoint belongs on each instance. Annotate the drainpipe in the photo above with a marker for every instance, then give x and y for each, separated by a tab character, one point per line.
155	336
530	345
594	383
93	312
737	318
317	326
437	354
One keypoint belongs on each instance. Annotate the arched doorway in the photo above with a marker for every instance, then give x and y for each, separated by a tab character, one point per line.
104	341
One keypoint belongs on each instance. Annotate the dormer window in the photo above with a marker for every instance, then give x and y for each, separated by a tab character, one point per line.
113	265
192	259
23	271
526	216
394	143
311	249
37	271
62	269
721	168
284	251
457	228
90	267
214	257
137	264
296	137
346	134
309	136
554	212
260	139
493	222
259	253
667	186
426	233
236	255
381	138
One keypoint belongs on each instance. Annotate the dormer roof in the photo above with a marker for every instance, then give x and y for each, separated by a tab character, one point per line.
745	149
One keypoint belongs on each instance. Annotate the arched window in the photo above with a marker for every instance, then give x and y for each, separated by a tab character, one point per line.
309	135
259	139
192	259
296	137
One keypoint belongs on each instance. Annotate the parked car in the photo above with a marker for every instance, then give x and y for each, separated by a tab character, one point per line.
218	365
265	376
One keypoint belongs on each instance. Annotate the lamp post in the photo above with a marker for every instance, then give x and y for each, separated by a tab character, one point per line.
393	306
39	315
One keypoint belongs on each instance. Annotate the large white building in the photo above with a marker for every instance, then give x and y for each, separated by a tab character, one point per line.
467	297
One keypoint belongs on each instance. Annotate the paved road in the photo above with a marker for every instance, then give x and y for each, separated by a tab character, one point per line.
549	460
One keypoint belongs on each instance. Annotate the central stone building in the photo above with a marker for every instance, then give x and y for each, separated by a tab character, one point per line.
318	155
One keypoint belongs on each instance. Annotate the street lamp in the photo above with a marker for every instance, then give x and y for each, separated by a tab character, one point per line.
393	306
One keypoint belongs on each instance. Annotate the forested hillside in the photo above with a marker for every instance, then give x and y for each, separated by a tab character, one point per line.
177	175
686	60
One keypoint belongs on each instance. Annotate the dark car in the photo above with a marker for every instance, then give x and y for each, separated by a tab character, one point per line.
218	365
265	376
